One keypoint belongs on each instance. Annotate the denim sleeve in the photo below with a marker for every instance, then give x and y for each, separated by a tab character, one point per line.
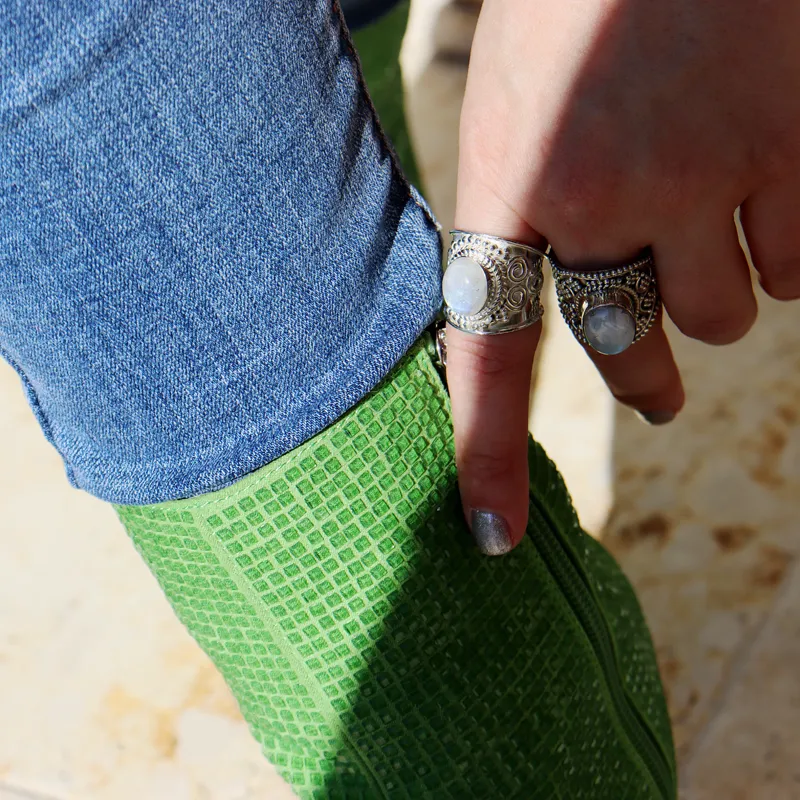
207	251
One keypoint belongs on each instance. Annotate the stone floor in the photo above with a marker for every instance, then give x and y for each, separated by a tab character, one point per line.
104	697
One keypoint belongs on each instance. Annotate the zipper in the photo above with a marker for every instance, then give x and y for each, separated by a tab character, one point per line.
570	575
571	578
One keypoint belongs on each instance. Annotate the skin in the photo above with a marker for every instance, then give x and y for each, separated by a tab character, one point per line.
604	126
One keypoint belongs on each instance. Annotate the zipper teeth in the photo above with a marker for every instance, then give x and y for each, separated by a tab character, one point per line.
567	574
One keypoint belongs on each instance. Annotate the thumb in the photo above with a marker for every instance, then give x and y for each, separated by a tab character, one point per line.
489	381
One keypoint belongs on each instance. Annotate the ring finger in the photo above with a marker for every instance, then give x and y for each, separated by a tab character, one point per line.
644	376
706	288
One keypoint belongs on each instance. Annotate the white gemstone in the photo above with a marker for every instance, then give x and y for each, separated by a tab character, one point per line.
609	329
464	286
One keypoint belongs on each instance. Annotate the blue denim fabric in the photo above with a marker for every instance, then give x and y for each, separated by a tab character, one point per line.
207	251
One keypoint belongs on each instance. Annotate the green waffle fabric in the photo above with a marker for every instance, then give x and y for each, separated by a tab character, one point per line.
374	652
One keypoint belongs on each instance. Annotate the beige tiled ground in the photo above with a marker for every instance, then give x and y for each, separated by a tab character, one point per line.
104	697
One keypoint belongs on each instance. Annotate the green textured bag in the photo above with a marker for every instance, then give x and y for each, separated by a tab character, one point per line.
375	653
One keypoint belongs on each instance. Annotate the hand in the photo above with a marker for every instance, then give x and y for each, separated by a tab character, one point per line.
604	127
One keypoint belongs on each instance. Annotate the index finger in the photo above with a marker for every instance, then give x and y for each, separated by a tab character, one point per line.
489	379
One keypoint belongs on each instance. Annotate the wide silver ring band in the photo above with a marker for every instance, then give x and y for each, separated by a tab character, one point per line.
588	300
514	280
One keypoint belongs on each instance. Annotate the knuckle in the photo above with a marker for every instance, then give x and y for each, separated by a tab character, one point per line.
582	197
486	467
488	364
717	329
781	279
673	193
482	155
677	182
492	359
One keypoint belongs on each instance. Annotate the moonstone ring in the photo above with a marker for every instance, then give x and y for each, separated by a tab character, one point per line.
609	309
491	285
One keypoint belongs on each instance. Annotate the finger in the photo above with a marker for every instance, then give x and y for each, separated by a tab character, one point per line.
489	381
645	376
704	279
771	223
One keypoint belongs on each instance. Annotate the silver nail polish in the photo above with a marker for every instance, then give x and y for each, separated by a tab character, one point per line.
656	417
491	533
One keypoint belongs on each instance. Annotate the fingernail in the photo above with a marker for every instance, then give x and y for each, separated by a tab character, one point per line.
490	532
656	417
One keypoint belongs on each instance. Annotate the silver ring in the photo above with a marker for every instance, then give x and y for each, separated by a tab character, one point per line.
491	285
609	309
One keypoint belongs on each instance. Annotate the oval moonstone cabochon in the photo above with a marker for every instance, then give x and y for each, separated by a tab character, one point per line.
464	286
609	329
